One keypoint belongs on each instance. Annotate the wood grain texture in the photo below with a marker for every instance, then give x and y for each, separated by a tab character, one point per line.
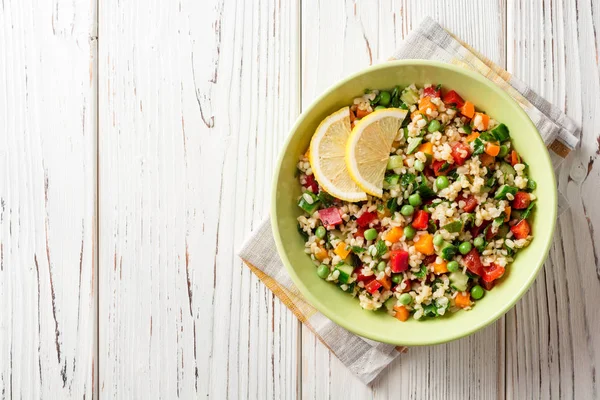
197	98
340	38
48	199
552	336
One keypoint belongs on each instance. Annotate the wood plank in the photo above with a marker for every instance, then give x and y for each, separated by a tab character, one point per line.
338	38
197	100
48	199
342	37
553	346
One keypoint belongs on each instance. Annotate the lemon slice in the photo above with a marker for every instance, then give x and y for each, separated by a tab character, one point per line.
368	148
327	155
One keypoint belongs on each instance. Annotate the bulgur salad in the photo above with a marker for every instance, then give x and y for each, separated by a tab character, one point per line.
414	201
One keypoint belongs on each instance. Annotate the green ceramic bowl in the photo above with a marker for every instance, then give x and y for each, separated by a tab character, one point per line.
343	308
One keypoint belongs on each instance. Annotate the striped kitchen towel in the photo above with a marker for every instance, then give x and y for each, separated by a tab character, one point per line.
364	357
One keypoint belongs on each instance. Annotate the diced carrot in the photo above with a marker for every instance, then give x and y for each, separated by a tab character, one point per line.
492	149
462	300
321	254
386	282
425	244
514	158
394	234
385	213
486	160
352	115
362	113
342	250
402	313
426	148
468	109
440	268
485	120
307	154
472	137
426	103
507	211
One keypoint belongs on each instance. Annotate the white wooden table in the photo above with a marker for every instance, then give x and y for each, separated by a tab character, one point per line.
137	143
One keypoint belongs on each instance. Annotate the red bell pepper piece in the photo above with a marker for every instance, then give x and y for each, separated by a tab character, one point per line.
487	285
360	232
460	152
330	216
399	260
521	201
429	172
490	233
431	91
476	230
429	259
453	98
365	219
373	286
521	230
312	183
421	220
362	278
438	168
470	202
493	272
473	262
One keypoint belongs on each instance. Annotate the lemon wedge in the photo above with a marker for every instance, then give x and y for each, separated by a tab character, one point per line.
368	148
327	155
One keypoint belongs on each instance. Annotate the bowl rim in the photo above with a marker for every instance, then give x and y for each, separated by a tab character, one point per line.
344	322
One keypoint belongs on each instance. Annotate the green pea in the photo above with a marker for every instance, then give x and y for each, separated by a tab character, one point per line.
396	278
441	182
478	242
452	266
503	151
465	247
409	232
380	108
405	299
434	126
384	98
407	210
381	266
321	232
415	199
323	271
419	165
477	292
438	240
371	234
